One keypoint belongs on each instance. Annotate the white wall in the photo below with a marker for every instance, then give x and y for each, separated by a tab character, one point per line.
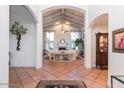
37	14
95	11
35	10
4	45
116	60
26	57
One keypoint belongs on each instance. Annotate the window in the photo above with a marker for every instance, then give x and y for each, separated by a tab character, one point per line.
49	44
50	36
74	36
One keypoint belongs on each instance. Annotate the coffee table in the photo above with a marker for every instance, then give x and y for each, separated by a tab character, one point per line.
61	84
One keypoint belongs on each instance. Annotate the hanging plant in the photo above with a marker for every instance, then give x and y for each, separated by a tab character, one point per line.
18	30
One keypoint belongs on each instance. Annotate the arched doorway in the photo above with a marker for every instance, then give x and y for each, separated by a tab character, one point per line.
26	55
68	18
98	26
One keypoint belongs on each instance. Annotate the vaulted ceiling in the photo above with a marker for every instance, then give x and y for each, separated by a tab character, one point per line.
66	16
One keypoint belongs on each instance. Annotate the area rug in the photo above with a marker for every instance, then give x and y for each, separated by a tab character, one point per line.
61	84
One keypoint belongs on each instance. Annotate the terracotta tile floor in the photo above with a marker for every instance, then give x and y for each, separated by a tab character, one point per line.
29	77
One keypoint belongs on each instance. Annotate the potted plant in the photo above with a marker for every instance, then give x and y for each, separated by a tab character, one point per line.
18	30
79	43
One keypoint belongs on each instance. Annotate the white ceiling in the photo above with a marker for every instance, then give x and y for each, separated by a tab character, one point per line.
65	16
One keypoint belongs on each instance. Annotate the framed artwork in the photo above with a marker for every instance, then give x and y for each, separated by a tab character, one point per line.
118	40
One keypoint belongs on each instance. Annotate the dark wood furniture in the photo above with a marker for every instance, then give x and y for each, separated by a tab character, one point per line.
101	50
61	84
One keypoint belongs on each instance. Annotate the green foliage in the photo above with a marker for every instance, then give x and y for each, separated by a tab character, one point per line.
18	29
78	42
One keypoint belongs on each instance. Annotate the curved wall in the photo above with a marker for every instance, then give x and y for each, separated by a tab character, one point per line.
26	57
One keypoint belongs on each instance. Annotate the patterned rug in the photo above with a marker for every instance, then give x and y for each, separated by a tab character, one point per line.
61	84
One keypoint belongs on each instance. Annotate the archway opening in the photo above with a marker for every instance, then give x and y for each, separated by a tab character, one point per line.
63	31
99	30
22	49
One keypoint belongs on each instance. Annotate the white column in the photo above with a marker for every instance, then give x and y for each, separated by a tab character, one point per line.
4	46
87	43
87	51
39	41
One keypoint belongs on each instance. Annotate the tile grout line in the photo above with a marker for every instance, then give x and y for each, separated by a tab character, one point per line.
29	75
18	77
41	74
87	79
49	73
95	79
9	78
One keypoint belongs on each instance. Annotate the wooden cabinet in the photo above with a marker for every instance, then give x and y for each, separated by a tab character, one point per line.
101	50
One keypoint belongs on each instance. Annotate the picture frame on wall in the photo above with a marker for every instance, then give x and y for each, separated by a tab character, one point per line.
118	40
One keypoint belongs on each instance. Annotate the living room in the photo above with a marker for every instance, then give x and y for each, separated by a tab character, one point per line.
63	30
63	49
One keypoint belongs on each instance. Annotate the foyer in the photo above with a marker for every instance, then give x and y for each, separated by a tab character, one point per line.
65	55
48	48
29	77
